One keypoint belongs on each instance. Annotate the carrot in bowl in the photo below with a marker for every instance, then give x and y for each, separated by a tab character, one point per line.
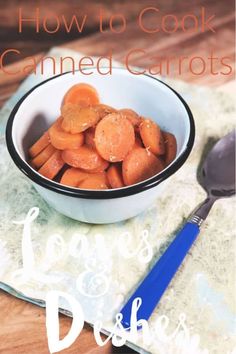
84	157
94	182
114	175
43	156
62	140
132	116
139	165
152	137
52	166
73	176
114	137
90	137
101	168
40	145
103	110
81	94
95	146
170	147
77	119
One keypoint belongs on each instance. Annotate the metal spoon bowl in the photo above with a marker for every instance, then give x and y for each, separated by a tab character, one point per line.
218	173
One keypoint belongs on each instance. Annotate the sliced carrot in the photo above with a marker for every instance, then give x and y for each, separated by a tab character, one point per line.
101	168
62	140
40	145
152	137
52	166
114	137
103	110
82	94
89	137
94	182
90	142
170	147
84	157
132	116
114	175
77	119
73	176
43	156
139	165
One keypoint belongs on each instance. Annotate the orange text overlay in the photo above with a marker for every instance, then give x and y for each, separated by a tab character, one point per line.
137	61
117	23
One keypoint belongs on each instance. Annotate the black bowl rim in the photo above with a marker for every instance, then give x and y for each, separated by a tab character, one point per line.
93	194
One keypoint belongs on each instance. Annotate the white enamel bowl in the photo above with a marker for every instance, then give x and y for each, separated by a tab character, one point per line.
148	96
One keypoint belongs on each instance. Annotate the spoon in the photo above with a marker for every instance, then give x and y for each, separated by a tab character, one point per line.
218	179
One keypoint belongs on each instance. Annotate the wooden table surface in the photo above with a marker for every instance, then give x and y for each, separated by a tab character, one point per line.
22	328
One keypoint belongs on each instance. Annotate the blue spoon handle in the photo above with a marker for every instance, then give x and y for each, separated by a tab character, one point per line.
156	282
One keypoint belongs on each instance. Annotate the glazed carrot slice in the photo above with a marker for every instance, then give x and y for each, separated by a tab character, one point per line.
89	137
90	142
52	166
84	157
114	175
43	156
114	137
94	182
73	176
103	110
101	168
152	137
139	165
62	140
131	115
81	94
170	147
77	119
40	145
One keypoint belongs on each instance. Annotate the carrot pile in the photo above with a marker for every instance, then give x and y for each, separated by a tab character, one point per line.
94	146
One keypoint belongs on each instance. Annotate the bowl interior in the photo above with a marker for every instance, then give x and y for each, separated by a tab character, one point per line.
145	95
